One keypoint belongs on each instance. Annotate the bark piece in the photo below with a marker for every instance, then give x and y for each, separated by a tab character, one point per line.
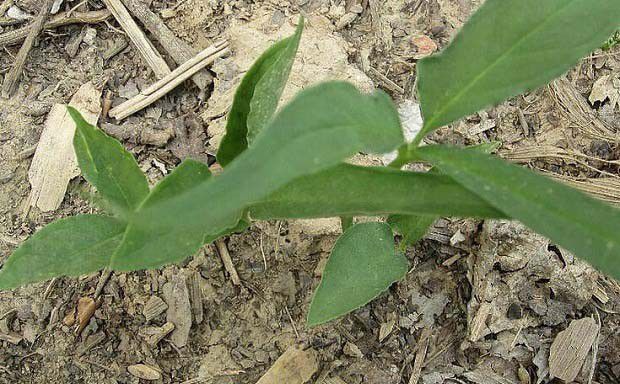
570	349
54	163
295	366
179	311
195	296
153	308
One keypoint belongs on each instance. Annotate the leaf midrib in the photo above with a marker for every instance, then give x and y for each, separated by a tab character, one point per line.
495	63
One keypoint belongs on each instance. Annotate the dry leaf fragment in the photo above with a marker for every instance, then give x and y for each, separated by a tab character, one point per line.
144	372
295	366
85	310
425	45
606	87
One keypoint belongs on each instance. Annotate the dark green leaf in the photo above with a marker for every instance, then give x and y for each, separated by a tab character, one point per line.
412	227
585	226
108	167
363	264
67	247
509	47
298	141
257	97
348	190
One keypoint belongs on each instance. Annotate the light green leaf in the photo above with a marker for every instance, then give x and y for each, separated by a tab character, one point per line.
257	97
297	142
412	227
587	227
362	264
107	166
68	247
189	174
349	190
509	47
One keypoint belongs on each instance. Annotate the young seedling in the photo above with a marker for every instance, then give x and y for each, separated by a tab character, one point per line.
291	164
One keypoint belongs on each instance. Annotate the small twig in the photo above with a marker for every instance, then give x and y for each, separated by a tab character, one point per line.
18	35
168	83
144	46
291	320
222	249
103	280
12	78
262	251
178	49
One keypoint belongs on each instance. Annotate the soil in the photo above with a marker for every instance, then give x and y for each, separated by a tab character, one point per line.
485	300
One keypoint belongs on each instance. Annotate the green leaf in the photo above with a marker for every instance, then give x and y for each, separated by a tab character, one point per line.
412	227
189	174
585	226
362	264
107	166
297	142
349	190
509	47
257	97
68	247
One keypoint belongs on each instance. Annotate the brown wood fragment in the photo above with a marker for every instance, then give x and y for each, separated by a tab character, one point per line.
179	310
478	326
222	250
16	36
570	349
195	296
420	356
169	82
12	78
153	308
295	366
179	50
144	372
153	335
143	45
54	163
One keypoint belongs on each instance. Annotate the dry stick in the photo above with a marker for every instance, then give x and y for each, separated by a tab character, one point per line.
12	78
144	46
18	35
168	83
178	49
222	249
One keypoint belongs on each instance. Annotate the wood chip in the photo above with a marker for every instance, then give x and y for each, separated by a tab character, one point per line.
179	309
153	308
153	335
420	356
54	163
570	349
144	372
386	329
295	366
478	327
195	296
484	376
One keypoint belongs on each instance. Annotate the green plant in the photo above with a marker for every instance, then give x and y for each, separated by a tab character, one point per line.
291	164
